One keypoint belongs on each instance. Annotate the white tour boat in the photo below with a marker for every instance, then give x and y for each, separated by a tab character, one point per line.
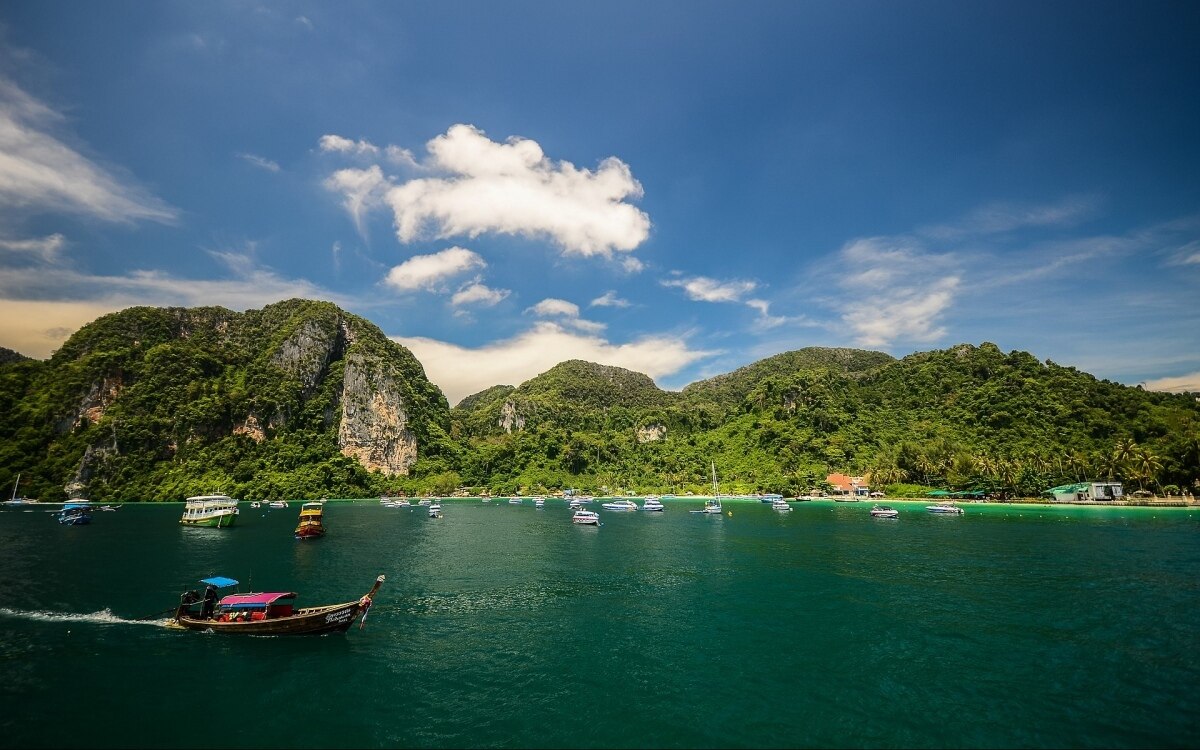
620	505
589	517
949	508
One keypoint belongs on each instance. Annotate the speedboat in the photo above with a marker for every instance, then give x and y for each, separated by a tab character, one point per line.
589	517
652	503
539	502
75	514
949	508
885	511
279	504
577	502
514	501
769	498
781	505
621	505
425	502
435	510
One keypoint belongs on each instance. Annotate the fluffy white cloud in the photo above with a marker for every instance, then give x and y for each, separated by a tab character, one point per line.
338	144
551	307
461	371
909	289
38	172
512	188
568	314
477	293
430	271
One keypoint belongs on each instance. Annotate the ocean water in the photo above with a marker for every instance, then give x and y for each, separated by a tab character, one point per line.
503	626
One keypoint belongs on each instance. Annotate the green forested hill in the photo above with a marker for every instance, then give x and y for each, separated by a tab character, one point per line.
301	399
162	403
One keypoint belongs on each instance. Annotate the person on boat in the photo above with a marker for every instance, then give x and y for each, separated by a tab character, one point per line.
210	602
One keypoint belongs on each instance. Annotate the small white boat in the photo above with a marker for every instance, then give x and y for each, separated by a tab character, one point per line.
514	501
949	508
589	517
435	510
652	503
712	506
255	504
279	504
425	502
621	505
539	502
577	502
885	511
781	505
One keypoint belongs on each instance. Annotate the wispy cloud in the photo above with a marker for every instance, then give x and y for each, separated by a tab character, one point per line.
360	189
999	218
430	272
704	289
44	249
908	288
40	173
461	371
609	299
342	145
260	162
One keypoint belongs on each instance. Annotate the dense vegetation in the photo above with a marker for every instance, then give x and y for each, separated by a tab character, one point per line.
177	388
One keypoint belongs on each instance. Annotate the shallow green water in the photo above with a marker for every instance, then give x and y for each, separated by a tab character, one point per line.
508	626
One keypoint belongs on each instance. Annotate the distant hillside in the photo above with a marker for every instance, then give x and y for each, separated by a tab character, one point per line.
8	356
301	399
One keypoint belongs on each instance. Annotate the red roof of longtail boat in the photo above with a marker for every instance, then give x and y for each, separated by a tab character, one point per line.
253	600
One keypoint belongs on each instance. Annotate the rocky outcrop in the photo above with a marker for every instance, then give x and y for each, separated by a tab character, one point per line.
99	396
306	354
651	433
374	426
509	418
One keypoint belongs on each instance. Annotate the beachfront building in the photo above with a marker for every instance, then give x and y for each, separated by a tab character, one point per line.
842	484
1085	492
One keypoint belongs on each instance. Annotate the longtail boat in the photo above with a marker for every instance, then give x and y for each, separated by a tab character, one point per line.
272	613
312	522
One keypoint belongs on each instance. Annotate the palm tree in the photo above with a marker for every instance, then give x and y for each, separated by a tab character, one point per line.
1123	453
1147	466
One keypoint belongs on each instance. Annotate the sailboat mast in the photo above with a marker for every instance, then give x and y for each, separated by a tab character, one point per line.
14	495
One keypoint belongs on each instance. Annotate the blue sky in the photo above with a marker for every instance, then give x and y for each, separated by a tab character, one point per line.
676	188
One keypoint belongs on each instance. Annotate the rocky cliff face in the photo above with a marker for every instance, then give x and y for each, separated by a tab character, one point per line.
374	424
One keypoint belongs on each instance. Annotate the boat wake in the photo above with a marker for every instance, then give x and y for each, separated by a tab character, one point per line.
103	617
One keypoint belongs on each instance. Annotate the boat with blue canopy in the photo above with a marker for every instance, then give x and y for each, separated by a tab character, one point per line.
265	613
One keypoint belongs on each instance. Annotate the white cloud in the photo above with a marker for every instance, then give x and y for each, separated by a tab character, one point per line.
39	172
609	299
360	189
999	218
895	289
341	145
551	307
1179	384
512	188
430	271
45	249
461	371
305	22
260	162
1186	255
402	157
632	265
476	293
704	289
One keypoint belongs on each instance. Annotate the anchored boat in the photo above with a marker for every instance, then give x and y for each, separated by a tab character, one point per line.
210	510
272	613
312	521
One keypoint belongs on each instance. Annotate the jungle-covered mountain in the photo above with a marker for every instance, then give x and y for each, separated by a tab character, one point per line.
303	400
299	399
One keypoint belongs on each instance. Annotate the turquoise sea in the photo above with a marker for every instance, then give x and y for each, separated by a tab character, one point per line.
508	626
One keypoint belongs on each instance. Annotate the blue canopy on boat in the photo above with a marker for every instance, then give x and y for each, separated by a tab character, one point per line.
219	581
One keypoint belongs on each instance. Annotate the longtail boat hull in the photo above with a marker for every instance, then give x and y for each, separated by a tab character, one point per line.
335	618
259	614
